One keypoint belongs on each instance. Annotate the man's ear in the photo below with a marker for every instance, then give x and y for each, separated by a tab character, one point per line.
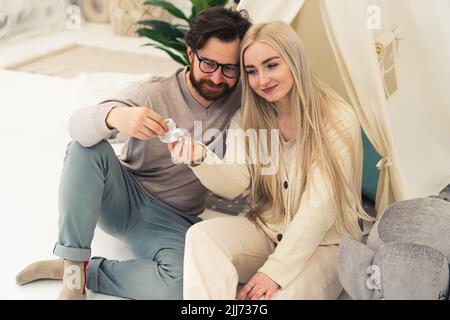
354	268
190	54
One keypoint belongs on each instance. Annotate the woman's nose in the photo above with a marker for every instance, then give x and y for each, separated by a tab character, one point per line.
263	79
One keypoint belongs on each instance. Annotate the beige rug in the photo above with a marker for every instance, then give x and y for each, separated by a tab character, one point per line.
71	61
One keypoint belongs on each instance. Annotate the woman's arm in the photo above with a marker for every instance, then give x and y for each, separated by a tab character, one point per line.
314	217
228	177
303	235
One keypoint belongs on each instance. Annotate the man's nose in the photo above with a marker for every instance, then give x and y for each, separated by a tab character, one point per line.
217	76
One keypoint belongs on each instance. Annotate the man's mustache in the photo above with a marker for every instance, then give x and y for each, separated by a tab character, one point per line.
210	83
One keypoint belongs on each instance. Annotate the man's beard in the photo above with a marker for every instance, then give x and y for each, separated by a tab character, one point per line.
207	94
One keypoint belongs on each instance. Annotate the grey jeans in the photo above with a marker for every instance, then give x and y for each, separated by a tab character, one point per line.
95	189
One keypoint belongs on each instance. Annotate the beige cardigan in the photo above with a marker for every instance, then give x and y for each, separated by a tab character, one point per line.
301	232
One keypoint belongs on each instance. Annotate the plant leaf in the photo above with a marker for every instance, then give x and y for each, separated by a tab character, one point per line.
183	59
170	37
199	5
168	7
159	37
193	15
167	29
214	3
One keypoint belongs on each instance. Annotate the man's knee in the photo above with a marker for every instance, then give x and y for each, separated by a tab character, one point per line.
101	150
103	147
170	264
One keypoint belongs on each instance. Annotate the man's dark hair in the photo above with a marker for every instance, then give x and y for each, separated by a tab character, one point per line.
225	24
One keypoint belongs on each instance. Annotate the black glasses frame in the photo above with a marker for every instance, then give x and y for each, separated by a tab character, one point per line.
222	66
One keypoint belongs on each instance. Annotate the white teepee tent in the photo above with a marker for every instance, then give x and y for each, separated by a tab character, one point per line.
389	59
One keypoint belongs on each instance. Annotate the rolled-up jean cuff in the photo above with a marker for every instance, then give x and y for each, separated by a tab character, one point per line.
92	273
69	253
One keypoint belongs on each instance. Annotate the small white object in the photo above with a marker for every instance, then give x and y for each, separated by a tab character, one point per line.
174	133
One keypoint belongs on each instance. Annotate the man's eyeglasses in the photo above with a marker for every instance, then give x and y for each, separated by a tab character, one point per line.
210	66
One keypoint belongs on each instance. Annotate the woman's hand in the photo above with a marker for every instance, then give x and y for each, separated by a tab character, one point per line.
259	286
187	151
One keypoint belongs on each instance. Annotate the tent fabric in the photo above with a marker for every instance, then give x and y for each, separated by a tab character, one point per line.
417	114
360	72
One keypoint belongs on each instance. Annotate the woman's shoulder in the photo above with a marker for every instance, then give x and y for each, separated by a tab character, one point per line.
236	121
343	125
344	112
343	115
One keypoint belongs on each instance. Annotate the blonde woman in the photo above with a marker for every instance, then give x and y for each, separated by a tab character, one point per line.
287	245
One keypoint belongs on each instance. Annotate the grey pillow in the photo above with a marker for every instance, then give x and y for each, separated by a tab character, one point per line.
240	205
234	208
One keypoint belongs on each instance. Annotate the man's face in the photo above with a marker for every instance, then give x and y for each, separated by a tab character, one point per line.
213	86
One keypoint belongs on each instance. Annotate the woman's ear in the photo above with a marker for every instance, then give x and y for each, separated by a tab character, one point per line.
354	268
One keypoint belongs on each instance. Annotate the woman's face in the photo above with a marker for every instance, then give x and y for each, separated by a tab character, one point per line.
268	74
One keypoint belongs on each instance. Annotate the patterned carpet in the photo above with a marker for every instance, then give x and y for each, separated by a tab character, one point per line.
76	59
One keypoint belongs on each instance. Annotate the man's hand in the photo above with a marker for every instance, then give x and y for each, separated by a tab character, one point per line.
139	122
187	151
259	286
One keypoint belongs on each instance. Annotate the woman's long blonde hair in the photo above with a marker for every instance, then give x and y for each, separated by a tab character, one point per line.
311	101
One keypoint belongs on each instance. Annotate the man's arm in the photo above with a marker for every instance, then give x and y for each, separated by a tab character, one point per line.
130	115
139	122
87	125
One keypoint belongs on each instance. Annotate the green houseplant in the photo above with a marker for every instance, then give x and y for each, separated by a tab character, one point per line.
170	37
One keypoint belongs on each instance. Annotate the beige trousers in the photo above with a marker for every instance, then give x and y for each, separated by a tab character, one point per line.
222	252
